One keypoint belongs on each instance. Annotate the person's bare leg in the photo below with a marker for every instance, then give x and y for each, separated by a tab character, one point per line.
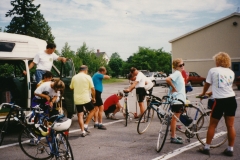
231	130
173	124
211	130
100	112
90	115
80	121
141	106
96	113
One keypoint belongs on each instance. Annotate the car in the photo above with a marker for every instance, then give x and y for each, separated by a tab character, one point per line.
157	78
145	72
237	82
195	78
16	52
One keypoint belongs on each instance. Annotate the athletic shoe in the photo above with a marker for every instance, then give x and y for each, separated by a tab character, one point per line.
142	121
95	125
176	141
33	142
102	127
113	117
179	138
86	129
84	134
178	127
204	151
228	153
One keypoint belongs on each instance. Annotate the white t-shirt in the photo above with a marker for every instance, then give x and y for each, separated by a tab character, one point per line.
141	79
46	86
221	80
44	61
149	84
178	82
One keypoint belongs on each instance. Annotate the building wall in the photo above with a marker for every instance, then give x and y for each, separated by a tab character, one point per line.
198	48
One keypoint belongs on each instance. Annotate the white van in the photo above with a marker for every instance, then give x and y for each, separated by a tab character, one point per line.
16	52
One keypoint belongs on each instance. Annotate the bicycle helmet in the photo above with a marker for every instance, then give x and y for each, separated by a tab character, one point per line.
41	130
62	124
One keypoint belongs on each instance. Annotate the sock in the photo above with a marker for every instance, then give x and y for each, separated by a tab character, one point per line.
230	148
100	124
85	125
96	123
83	131
207	146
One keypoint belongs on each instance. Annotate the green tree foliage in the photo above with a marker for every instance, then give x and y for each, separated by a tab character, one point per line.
149	59
40	29
28	20
24	11
116	64
89	58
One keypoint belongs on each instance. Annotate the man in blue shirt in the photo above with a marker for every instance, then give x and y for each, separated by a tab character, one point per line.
97	81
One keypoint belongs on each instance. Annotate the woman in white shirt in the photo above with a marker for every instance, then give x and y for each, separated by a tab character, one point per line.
221	79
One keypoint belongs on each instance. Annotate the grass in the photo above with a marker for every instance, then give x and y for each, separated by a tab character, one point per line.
113	80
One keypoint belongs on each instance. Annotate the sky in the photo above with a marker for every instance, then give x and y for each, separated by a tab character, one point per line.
123	25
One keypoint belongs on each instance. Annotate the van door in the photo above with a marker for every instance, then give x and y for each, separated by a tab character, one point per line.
66	73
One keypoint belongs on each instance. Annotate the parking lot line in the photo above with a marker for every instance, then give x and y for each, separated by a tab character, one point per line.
182	149
76	130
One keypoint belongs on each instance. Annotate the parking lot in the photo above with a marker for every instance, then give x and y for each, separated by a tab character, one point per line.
119	142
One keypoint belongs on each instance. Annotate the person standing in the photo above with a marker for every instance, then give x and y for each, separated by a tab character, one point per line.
44	61
139	84
82	86
177	89
97	80
221	79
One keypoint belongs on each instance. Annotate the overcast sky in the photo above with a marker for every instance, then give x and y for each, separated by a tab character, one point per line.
124	25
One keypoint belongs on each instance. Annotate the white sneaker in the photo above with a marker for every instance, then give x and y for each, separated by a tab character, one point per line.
113	117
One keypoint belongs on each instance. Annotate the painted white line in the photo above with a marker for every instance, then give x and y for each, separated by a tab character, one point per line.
105	124
72	131
182	149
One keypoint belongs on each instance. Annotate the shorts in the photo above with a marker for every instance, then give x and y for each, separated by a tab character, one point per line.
111	109
177	108
89	106
150	92
140	93
226	106
98	98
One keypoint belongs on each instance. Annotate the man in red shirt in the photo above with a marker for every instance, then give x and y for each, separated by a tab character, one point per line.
112	105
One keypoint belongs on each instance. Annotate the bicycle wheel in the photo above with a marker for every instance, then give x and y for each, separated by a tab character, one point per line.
191	111
64	147
39	149
220	135
4	129
145	120
163	132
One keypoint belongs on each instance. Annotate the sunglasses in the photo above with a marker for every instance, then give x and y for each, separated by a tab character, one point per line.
181	65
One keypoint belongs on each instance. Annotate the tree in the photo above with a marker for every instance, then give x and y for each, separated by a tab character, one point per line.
28	20
90	59
25	12
115	55
40	29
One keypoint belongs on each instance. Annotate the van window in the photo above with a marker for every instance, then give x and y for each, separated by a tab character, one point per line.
6	46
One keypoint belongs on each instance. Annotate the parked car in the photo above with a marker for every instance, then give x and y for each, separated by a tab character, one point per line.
157	78
16	52
145	72
237	82
194	78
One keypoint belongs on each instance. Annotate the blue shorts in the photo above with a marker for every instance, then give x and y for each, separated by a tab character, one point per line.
39	75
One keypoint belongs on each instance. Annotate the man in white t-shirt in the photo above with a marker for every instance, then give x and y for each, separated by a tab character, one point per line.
44	61
139	84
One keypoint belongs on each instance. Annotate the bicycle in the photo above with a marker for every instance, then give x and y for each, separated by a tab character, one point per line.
126	113
147	116
196	127
15	111
49	141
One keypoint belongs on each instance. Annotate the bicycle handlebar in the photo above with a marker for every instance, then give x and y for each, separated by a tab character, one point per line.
203	97
9	104
159	99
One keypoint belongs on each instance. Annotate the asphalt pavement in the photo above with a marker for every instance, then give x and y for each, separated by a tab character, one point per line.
119	142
